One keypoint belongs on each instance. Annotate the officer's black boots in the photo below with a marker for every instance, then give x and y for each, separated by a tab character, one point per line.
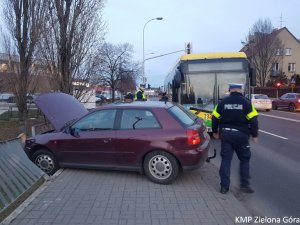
224	190
247	190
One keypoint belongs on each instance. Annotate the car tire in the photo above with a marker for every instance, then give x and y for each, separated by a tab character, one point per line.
161	167
268	110
292	107
45	160
274	106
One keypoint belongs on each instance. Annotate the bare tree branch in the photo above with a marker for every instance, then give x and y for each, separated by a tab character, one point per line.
116	65
264	47
74	29
24	19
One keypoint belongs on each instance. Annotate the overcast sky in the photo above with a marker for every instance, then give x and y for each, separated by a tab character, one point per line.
210	25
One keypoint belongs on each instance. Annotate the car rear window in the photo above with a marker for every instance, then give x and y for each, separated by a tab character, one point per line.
138	119
183	115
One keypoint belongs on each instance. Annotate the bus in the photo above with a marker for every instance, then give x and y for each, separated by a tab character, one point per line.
200	81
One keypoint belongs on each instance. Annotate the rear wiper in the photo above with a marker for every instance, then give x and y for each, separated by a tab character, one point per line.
138	119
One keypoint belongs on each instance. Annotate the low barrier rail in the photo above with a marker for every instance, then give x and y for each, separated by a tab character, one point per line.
17	173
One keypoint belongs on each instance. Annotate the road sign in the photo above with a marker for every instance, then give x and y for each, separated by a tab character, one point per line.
293	85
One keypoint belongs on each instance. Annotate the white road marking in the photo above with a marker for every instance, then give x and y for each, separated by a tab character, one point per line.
278	117
275	135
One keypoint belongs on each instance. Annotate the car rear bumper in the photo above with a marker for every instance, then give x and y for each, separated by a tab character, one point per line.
194	159
200	162
263	107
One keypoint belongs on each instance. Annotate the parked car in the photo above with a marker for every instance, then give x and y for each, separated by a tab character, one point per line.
7	97
290	101
261	102
155	138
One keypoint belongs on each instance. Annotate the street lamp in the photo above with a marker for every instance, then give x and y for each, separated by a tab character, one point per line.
143	69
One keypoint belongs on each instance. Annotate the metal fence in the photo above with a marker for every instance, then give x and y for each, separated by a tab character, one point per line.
17	172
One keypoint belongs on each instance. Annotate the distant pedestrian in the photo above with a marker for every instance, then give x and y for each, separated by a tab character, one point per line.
164	97
234	120
139	95
129	97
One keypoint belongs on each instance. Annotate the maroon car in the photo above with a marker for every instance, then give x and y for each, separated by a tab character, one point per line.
290	101
155	138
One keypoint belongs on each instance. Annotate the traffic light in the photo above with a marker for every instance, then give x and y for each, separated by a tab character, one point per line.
188	48
278	84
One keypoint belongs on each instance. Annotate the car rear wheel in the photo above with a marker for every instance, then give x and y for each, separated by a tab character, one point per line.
274	106
45	160
161	167
292	107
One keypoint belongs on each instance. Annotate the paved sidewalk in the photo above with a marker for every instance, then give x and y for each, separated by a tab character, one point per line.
126	198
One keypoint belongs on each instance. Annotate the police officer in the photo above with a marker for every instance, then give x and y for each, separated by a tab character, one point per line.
139	95
235	119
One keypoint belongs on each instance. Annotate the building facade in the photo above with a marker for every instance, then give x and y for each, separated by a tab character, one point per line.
289	60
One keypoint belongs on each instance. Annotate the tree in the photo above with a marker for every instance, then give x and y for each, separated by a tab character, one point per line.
73	31
116	66
23	20
264	49
128	79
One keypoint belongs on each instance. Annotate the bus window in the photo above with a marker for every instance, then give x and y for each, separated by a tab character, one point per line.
224	79
203	89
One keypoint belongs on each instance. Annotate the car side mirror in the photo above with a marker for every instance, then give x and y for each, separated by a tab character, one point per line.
74	132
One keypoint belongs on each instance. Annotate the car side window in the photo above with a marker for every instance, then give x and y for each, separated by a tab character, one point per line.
99	120
289	96
138	119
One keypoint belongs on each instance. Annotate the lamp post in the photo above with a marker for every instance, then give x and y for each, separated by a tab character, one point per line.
143	69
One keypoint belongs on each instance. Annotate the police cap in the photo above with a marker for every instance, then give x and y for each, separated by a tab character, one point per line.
235	86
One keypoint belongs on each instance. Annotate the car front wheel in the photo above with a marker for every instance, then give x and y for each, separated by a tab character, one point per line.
45	160
161	167
292	107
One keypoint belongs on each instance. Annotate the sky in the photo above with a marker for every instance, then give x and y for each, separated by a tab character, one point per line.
210	25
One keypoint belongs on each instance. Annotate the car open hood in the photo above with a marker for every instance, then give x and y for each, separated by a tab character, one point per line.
60	108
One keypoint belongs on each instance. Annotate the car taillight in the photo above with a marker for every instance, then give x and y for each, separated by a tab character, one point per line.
193	137
299	100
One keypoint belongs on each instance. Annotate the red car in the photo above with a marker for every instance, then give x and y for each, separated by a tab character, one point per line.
155	138
290	101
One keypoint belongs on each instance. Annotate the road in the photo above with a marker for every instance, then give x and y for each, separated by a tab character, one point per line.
275	166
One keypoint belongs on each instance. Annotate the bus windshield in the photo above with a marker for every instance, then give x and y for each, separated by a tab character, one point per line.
204	90
200	81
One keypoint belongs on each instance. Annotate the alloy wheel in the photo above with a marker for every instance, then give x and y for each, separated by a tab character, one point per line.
160	167
45	163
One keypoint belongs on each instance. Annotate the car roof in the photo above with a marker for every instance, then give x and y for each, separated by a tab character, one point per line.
140	104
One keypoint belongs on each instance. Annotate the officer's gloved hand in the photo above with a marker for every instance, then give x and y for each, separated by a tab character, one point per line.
216	135
255	139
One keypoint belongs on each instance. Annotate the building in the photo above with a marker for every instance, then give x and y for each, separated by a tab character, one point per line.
288	61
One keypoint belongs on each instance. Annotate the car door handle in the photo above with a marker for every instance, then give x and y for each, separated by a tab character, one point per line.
107	140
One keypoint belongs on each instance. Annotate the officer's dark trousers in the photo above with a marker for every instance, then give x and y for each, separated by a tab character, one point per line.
234	141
